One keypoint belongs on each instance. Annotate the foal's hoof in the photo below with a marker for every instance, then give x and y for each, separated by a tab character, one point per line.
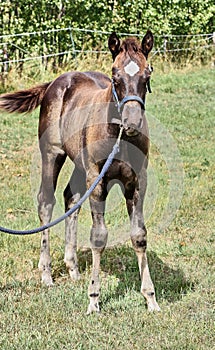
93	308
74	275
47	279
153	306
151	300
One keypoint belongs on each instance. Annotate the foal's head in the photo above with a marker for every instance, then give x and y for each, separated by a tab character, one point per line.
130	76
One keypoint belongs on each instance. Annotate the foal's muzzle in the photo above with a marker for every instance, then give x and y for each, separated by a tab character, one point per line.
132	118
131	130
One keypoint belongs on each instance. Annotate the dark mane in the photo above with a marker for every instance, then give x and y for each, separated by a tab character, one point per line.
132	47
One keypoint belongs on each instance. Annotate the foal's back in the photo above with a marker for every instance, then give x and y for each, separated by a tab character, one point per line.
68	107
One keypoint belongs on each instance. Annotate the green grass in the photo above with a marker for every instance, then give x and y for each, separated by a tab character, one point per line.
181	257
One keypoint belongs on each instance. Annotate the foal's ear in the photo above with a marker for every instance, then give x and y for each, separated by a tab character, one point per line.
114	45
147	43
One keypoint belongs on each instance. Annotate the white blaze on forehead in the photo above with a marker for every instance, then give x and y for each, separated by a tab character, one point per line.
132	68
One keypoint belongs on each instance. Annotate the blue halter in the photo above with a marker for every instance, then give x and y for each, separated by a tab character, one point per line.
125	99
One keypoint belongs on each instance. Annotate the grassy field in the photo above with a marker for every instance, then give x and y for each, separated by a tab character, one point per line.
181	256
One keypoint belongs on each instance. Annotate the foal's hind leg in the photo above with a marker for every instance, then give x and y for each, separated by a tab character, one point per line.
73	192
51	166
134	202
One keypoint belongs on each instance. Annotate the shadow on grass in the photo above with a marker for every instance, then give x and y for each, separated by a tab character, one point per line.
170	284
121	262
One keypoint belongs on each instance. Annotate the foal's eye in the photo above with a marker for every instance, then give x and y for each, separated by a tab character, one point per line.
116	82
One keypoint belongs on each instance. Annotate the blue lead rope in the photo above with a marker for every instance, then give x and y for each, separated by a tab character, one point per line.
106	166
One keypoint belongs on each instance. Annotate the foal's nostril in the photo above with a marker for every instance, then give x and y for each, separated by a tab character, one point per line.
132	126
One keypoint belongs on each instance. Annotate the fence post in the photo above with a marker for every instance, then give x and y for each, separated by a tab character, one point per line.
165	46
5	65
213	60
73	46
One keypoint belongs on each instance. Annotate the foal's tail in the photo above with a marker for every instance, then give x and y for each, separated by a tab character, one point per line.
24	100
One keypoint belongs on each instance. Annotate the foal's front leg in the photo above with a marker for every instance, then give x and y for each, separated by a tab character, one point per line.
98	239
139	241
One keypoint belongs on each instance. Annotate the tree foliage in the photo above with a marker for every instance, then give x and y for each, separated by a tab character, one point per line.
161	16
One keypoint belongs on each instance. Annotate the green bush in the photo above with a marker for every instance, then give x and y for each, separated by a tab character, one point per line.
163	17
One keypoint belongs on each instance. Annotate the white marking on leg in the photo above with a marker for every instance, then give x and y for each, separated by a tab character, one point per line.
132	68
45	213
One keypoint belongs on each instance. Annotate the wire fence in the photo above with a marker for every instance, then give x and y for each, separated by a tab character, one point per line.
65	43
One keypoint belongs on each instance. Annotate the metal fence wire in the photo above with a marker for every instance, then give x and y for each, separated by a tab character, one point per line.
63	44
